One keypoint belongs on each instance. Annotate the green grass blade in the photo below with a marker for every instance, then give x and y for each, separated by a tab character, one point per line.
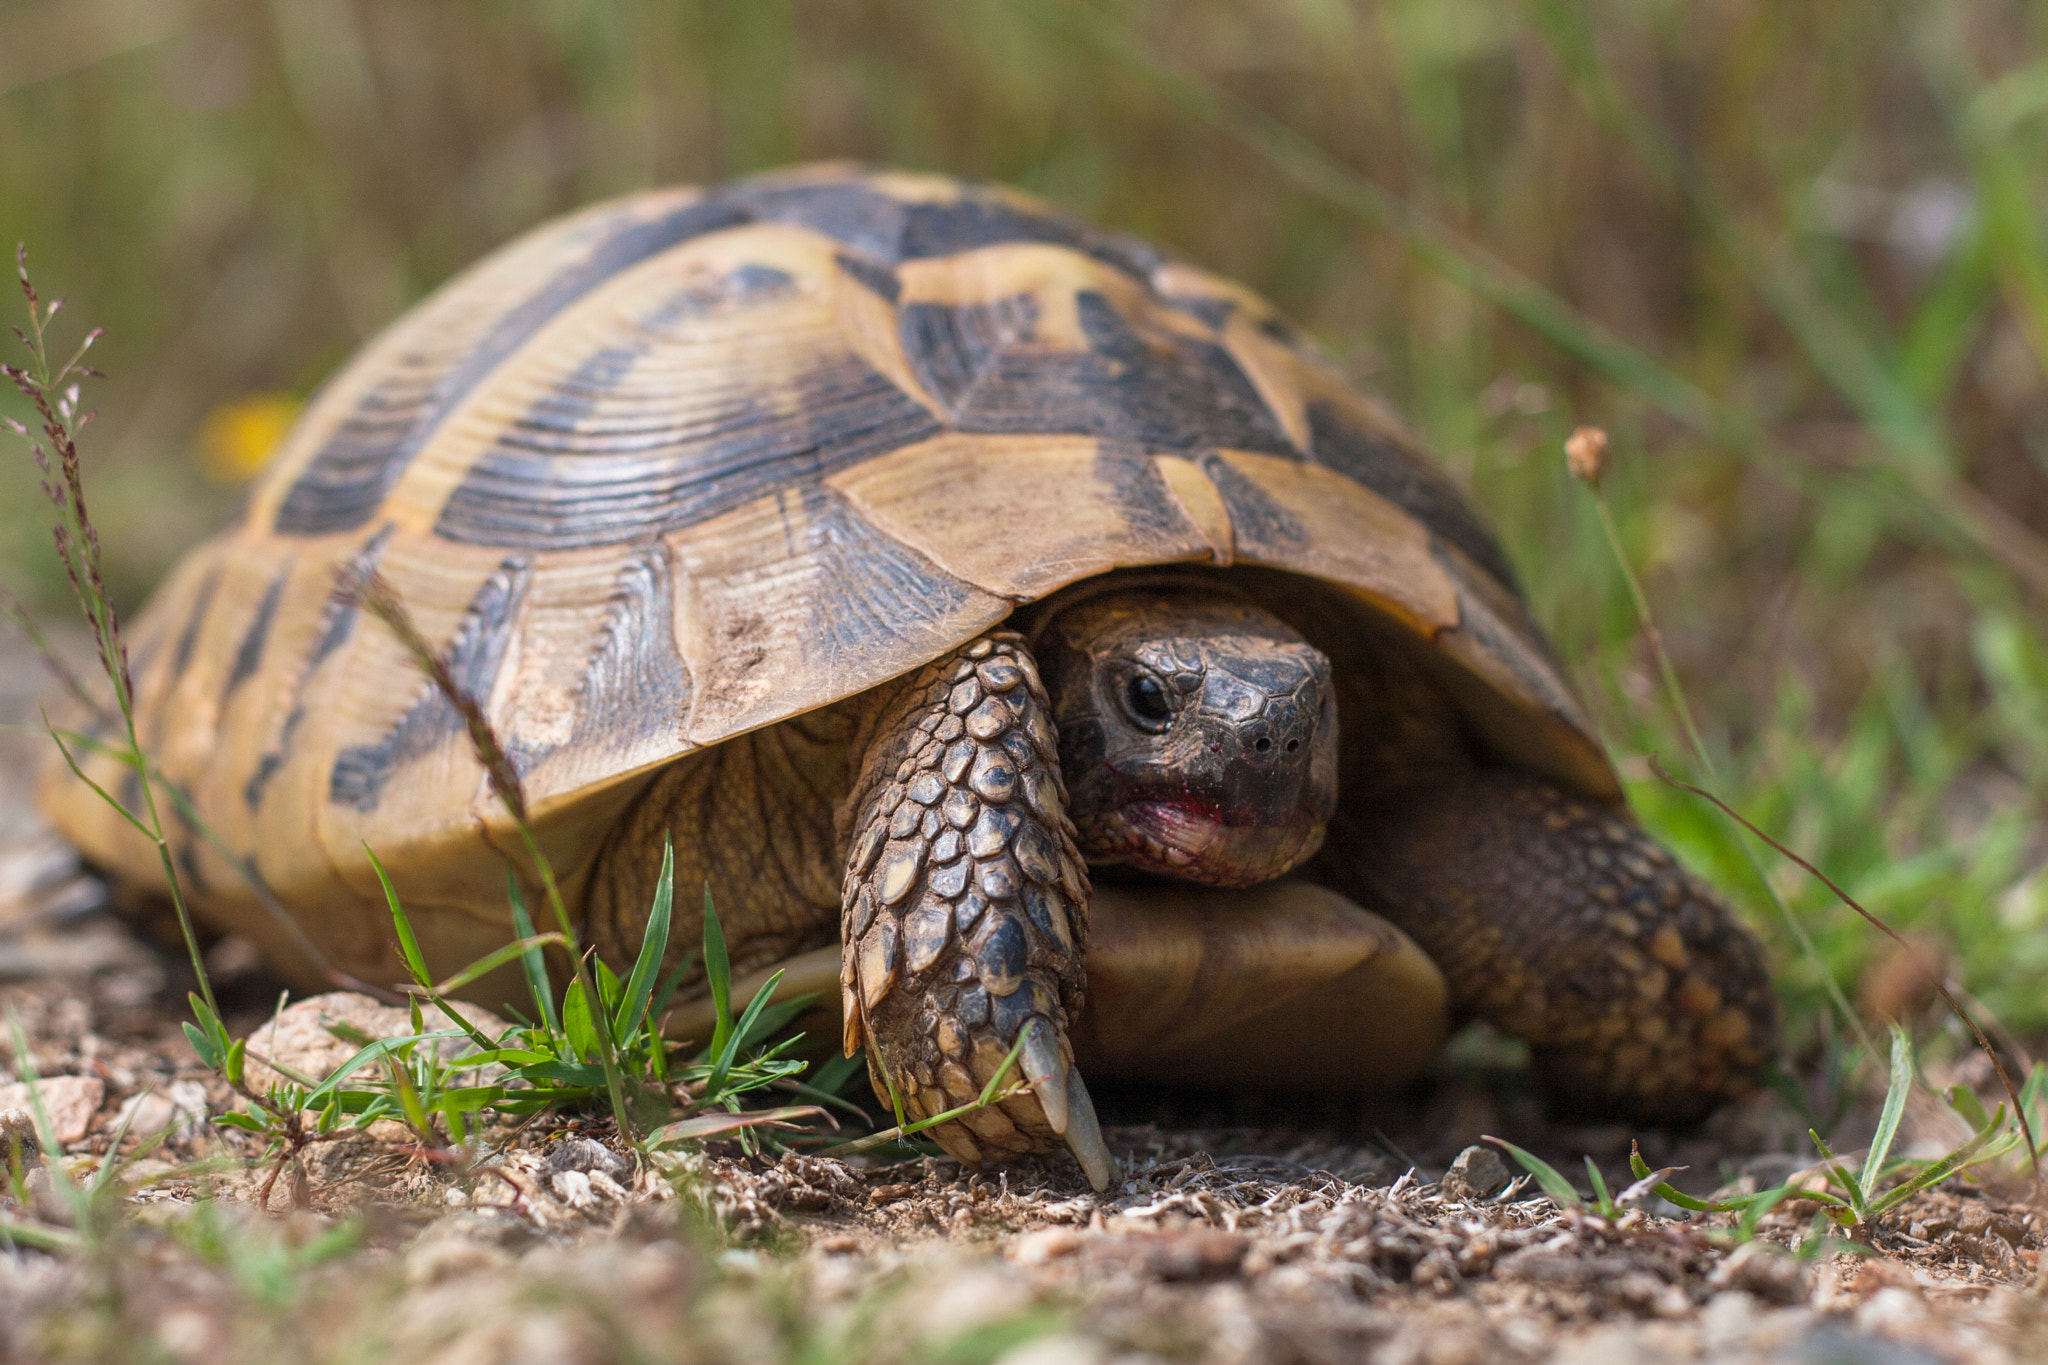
1548	1176
1671	1194
988	1092
1856	1198
703	1126
989	1095
718	974
721	1068
408	1098
380	1048
490	962
1604	1200
2035	1091
579	1021
1945	324
1979	1148
1894	1109
536	966
408	941
56	1241
1964	1101
415	960
653	947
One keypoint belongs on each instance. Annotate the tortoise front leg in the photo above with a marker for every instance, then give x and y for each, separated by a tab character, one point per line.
1563	923
965	908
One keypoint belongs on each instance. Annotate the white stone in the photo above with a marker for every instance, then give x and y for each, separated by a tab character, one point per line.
573	1189
147	1114
299	1037
70	1101
1055	1348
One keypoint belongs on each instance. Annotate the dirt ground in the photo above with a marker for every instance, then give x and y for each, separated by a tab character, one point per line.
1246	1229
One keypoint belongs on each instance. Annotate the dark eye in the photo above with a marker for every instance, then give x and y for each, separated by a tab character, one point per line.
1147	699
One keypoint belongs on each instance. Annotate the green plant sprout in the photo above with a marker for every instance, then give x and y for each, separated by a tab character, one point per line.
1864	1197
1862	1200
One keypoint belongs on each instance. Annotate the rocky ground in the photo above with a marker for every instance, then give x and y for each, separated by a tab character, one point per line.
1246	1229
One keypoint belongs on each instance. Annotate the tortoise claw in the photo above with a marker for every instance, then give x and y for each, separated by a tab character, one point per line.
1084	1135
1069	1112
1047	1071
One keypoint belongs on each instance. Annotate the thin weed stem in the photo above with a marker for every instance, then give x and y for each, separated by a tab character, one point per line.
374	594
1682	709
1969	1021
53	391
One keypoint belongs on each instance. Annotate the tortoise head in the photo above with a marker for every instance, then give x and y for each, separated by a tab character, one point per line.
1198	733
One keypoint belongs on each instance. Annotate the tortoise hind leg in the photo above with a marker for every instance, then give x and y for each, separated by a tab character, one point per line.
965	907
1563	923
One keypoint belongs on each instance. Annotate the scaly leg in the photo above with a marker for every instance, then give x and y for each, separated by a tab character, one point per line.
1563	923
965	908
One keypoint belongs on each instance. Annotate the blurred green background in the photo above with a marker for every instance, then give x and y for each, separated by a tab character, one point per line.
1793	250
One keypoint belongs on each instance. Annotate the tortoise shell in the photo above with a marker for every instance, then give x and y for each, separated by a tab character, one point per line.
691	462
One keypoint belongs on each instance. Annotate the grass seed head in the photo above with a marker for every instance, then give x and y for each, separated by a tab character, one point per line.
1585	454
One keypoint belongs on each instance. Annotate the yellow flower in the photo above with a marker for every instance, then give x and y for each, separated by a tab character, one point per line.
237	437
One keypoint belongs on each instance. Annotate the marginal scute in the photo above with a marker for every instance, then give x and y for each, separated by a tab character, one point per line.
1041	793
1039	727
1072	879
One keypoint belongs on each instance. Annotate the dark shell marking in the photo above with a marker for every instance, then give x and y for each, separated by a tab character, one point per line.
553	481
361	772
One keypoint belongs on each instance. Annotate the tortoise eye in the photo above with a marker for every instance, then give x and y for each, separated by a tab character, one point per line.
1146	698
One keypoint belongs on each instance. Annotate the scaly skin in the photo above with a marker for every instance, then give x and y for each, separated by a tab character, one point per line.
1562	923
964	916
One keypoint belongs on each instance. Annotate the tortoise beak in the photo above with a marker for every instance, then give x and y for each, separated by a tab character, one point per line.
1269	722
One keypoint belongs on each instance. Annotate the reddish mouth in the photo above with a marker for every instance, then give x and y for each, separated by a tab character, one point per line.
1192	841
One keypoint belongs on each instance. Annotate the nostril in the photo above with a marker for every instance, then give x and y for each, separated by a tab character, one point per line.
1292	745
1263	745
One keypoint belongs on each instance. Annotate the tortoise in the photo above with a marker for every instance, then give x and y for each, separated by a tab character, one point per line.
1010	623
